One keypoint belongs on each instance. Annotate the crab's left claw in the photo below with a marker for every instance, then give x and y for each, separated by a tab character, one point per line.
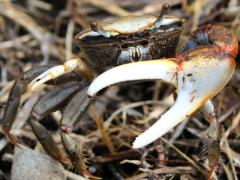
198	81
198	78
165	70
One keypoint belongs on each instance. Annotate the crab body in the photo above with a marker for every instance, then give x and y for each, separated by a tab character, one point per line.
124	49
130	39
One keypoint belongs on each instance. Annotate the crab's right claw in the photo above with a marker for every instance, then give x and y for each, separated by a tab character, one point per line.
197	79
56	71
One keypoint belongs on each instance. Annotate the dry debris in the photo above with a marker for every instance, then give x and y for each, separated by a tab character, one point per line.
34	32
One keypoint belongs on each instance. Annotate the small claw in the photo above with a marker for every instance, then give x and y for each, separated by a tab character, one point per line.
31	74
73	151
197	79
50	74
156	69
71	65
213	146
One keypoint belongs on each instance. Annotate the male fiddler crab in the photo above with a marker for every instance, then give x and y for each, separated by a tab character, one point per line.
107	44
199	72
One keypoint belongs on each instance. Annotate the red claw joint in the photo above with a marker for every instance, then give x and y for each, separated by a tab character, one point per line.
202	69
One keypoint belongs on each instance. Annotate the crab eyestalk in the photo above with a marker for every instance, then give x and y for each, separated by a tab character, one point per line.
165	19
130	25
165	10
76	65
198	75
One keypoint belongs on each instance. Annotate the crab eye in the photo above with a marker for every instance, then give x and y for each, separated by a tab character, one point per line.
199	38
165	9
93	26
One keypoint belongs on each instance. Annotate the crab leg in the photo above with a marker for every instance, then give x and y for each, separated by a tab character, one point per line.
47	142
198	80
11	109
208	111
76	155
55	98
13	101
31	74
76	65
75	110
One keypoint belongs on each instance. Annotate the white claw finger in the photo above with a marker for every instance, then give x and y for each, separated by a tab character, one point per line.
156	69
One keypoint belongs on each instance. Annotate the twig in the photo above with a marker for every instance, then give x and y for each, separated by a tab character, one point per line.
105	136
165	170
185	156
129	106
69	39
117	156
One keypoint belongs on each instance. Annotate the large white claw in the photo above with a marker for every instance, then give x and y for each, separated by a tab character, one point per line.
197	81
145	70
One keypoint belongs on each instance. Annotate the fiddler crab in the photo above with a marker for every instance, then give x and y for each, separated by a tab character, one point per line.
105	45
201	70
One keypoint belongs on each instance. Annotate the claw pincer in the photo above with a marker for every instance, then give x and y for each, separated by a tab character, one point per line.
199	72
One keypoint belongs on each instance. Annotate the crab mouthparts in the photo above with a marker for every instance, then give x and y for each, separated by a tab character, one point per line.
196	82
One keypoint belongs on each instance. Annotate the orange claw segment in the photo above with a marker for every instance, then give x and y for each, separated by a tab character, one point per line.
234	49
223	38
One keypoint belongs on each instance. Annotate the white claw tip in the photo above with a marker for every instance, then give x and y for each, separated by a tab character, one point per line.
137	144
